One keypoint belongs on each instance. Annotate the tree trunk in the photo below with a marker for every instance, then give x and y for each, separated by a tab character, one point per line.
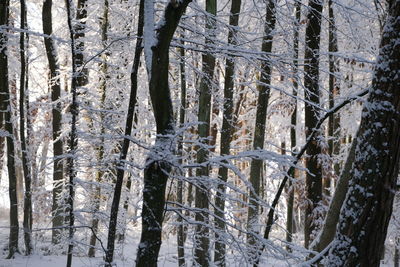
293	122
180	193
25	161
328	230
396	258
312	115
334	92
79	34
314	132
364	218
125	143
2	141
58	175
202	236
5	107
157	165
100	150
226	137
73	136
259	129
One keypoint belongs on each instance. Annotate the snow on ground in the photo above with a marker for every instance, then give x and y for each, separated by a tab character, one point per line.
125	253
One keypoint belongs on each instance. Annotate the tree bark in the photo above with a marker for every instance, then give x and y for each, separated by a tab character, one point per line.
157	166
202	235
180	187
79	34
334	92
314	132
328	230
226	137
73	136
5	108
312	115
125	144
58	166
100	149
364	218
259	129
25	160
293	122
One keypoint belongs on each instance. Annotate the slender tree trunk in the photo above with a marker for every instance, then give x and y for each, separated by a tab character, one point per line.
309	140
334	92
328	230
367	209
293	121
202	235
181	233
100	150
259	129
58	166
226	137
5	108
73	137
396	258
2	141
25	161
79	34
312	115
157	166
125	144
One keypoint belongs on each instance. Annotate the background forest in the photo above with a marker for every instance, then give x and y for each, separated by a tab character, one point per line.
199	133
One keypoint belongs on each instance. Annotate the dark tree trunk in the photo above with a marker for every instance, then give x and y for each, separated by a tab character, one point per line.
58	175
79	34
25	160
2	142
259	129
293	122
396	258
328	230
180	193
125	143
366	212
73	136
157	165
312	115
5	109
100	148
334	92
314	133
226	137
202	235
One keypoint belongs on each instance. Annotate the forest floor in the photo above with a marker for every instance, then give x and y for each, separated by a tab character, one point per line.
45	255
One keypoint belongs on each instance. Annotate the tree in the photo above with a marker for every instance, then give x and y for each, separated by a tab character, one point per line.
312	114
180	234
365	214
293	121
73	136
334	92
157	165
327	233
226	133
5	108
125	144
79	35
259	129
58	166
25	161
104	23
202	238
